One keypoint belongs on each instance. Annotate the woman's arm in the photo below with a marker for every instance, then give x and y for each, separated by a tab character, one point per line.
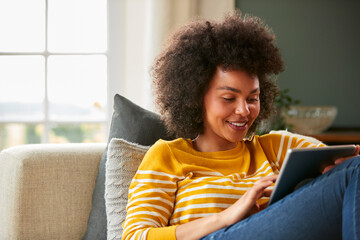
151	196
241	209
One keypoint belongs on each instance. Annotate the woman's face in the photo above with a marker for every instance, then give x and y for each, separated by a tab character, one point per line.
231	104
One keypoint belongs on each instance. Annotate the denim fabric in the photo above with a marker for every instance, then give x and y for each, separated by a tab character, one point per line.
326	208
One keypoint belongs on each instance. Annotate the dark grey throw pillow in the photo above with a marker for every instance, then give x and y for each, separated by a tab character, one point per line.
134	124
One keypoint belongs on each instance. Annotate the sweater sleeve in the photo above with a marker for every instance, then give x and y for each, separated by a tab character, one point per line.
276	144
152	195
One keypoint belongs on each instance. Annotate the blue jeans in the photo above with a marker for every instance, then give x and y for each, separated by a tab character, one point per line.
326	208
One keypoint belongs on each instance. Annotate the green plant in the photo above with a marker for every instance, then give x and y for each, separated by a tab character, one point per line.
282	102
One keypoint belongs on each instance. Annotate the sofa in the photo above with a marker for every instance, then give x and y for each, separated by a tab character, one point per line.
46	190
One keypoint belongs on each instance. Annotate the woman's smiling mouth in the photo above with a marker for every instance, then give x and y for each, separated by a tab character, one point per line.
237	125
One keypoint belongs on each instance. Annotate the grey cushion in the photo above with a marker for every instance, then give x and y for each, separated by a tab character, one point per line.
134	124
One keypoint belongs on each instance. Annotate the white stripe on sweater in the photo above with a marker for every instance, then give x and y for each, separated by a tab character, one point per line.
200	215
209	173
203	205
144	205
280	148
149	180
156	224
152	190
147	199
150	213
211	186
208	195
150	172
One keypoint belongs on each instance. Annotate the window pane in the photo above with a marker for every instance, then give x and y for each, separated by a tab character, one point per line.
77	26
22	81
22	25
78	133
18	134
77	88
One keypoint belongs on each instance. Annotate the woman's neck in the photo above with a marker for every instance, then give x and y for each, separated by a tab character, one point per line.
203	144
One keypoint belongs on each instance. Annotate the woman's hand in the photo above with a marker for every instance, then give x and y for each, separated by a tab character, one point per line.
242	208
247	204
341	160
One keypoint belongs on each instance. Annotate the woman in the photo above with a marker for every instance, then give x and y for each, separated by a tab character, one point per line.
214	86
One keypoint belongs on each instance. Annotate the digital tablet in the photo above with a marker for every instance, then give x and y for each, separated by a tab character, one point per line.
305	163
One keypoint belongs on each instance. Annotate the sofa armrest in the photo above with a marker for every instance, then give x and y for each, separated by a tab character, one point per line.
46	189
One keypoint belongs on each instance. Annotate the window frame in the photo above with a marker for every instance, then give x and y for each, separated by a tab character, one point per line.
113	55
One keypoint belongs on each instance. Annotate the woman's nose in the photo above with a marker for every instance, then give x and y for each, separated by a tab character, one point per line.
242	109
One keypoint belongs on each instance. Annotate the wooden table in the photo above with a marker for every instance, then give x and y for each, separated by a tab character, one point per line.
339	136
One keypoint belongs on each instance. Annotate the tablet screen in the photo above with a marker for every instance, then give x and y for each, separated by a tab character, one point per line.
306	163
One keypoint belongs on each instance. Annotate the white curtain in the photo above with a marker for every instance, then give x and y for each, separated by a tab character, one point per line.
145	25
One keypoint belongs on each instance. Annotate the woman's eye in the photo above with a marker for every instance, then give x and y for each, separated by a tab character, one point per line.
228	99
253	99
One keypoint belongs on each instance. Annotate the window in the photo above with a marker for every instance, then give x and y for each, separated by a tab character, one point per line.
53	71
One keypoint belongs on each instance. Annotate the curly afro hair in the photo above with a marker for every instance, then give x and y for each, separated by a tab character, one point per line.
183	70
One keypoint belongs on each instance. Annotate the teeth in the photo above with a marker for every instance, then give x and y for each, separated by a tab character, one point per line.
238	124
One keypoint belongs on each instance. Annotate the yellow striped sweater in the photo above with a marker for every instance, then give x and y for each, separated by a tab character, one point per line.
176	184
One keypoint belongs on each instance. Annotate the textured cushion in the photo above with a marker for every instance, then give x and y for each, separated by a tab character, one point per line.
133	124
123	160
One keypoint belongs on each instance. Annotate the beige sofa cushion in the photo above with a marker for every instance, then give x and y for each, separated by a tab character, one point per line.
46	190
